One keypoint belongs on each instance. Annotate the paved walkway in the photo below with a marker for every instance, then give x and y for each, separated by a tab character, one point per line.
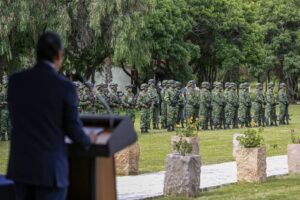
151	185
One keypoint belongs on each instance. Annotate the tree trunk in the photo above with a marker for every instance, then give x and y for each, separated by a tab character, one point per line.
292	88
3	64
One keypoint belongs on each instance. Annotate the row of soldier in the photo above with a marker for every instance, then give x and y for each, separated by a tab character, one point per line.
171	104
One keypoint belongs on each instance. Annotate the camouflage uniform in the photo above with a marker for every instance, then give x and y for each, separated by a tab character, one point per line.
283	105
217	104
101	96
235	120
85	101
259	105
154	110
180	104
163	117
192	103
5	132
248	104
270	111
144	103
205	110
171	106
242	105
129	103
230	99
114	99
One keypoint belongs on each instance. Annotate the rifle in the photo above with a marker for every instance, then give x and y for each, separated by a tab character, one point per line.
209	118
236	118
175	99
248	113
134	101
287	116
223	120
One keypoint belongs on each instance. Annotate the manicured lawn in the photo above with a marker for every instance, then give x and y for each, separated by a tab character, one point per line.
216	146
279	188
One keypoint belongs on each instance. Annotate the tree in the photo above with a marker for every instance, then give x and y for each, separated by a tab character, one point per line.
228	36
171	52
281	22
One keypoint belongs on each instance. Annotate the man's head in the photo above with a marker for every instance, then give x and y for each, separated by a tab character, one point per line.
227	85
113	87
50	48
128	88
178	84
151	82
282	86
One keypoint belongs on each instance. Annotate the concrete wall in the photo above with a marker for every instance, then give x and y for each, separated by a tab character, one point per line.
118	76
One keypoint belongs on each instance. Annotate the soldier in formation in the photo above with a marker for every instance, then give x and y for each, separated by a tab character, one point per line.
176	104
4	119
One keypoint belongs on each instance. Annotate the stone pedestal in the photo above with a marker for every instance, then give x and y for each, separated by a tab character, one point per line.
127	160
182	176
294	158
194	141
235	144
251	164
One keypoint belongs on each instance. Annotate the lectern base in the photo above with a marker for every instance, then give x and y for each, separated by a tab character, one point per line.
92	179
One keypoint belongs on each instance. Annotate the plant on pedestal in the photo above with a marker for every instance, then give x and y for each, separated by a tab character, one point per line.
251	157
293	151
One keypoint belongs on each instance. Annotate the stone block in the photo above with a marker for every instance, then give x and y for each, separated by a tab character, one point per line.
235	144
182	176
294	158
127	160
251	164
194	141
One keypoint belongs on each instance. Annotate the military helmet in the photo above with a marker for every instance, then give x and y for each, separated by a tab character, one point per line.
178	83
101	86
242	86
151	81
113	85
233	85
271	84
144	85
171	82
191	82
227	84
164	82
281	85
128	87
204	84
259	85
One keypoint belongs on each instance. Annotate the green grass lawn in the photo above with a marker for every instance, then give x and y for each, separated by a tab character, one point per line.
278	188
215	146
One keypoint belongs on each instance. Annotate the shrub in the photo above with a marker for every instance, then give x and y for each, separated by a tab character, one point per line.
183	147
251	138
191	129
293	137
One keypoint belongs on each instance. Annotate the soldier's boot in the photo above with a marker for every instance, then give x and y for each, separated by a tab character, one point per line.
169	128
146	130
173	128
227	126
157	126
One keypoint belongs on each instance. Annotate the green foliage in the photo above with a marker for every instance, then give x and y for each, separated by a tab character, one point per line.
183	147
191	128
294	139
251	138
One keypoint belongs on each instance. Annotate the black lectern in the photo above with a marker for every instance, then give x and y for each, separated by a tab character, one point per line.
92	172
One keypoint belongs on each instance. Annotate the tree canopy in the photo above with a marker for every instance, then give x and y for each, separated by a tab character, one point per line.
206	40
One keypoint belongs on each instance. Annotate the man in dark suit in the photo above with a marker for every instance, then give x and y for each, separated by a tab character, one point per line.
43	110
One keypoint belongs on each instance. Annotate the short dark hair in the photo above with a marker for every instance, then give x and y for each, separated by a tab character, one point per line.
48	46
